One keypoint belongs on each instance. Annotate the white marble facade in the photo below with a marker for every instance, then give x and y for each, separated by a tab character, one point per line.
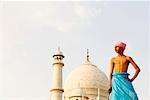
85	82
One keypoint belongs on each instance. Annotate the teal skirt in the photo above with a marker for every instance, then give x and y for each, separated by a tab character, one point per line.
122	89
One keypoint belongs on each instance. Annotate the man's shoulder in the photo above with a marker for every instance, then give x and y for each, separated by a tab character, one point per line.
113	58
129	58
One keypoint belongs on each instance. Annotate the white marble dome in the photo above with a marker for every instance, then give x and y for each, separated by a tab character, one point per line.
87	77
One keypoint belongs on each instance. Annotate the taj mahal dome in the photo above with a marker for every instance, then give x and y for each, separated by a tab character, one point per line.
85	82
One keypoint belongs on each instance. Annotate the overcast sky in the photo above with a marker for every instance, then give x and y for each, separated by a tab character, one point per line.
31	32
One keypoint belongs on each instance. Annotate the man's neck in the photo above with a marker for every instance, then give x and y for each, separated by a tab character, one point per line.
121	54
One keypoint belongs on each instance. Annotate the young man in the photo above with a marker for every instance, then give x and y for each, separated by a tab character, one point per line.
120	85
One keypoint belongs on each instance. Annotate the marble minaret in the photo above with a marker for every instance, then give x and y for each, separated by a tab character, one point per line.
57	90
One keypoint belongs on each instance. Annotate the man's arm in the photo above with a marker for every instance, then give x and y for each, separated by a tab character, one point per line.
136	68
111	71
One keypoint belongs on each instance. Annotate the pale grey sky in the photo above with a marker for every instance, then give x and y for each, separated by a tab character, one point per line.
32	31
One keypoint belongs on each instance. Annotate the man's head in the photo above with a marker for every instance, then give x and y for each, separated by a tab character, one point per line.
119	47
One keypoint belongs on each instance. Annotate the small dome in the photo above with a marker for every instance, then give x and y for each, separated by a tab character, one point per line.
88	76
58	53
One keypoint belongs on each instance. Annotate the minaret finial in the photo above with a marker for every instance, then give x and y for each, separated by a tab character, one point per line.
58	48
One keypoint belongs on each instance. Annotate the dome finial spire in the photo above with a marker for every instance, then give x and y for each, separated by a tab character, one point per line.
87	55
87	61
